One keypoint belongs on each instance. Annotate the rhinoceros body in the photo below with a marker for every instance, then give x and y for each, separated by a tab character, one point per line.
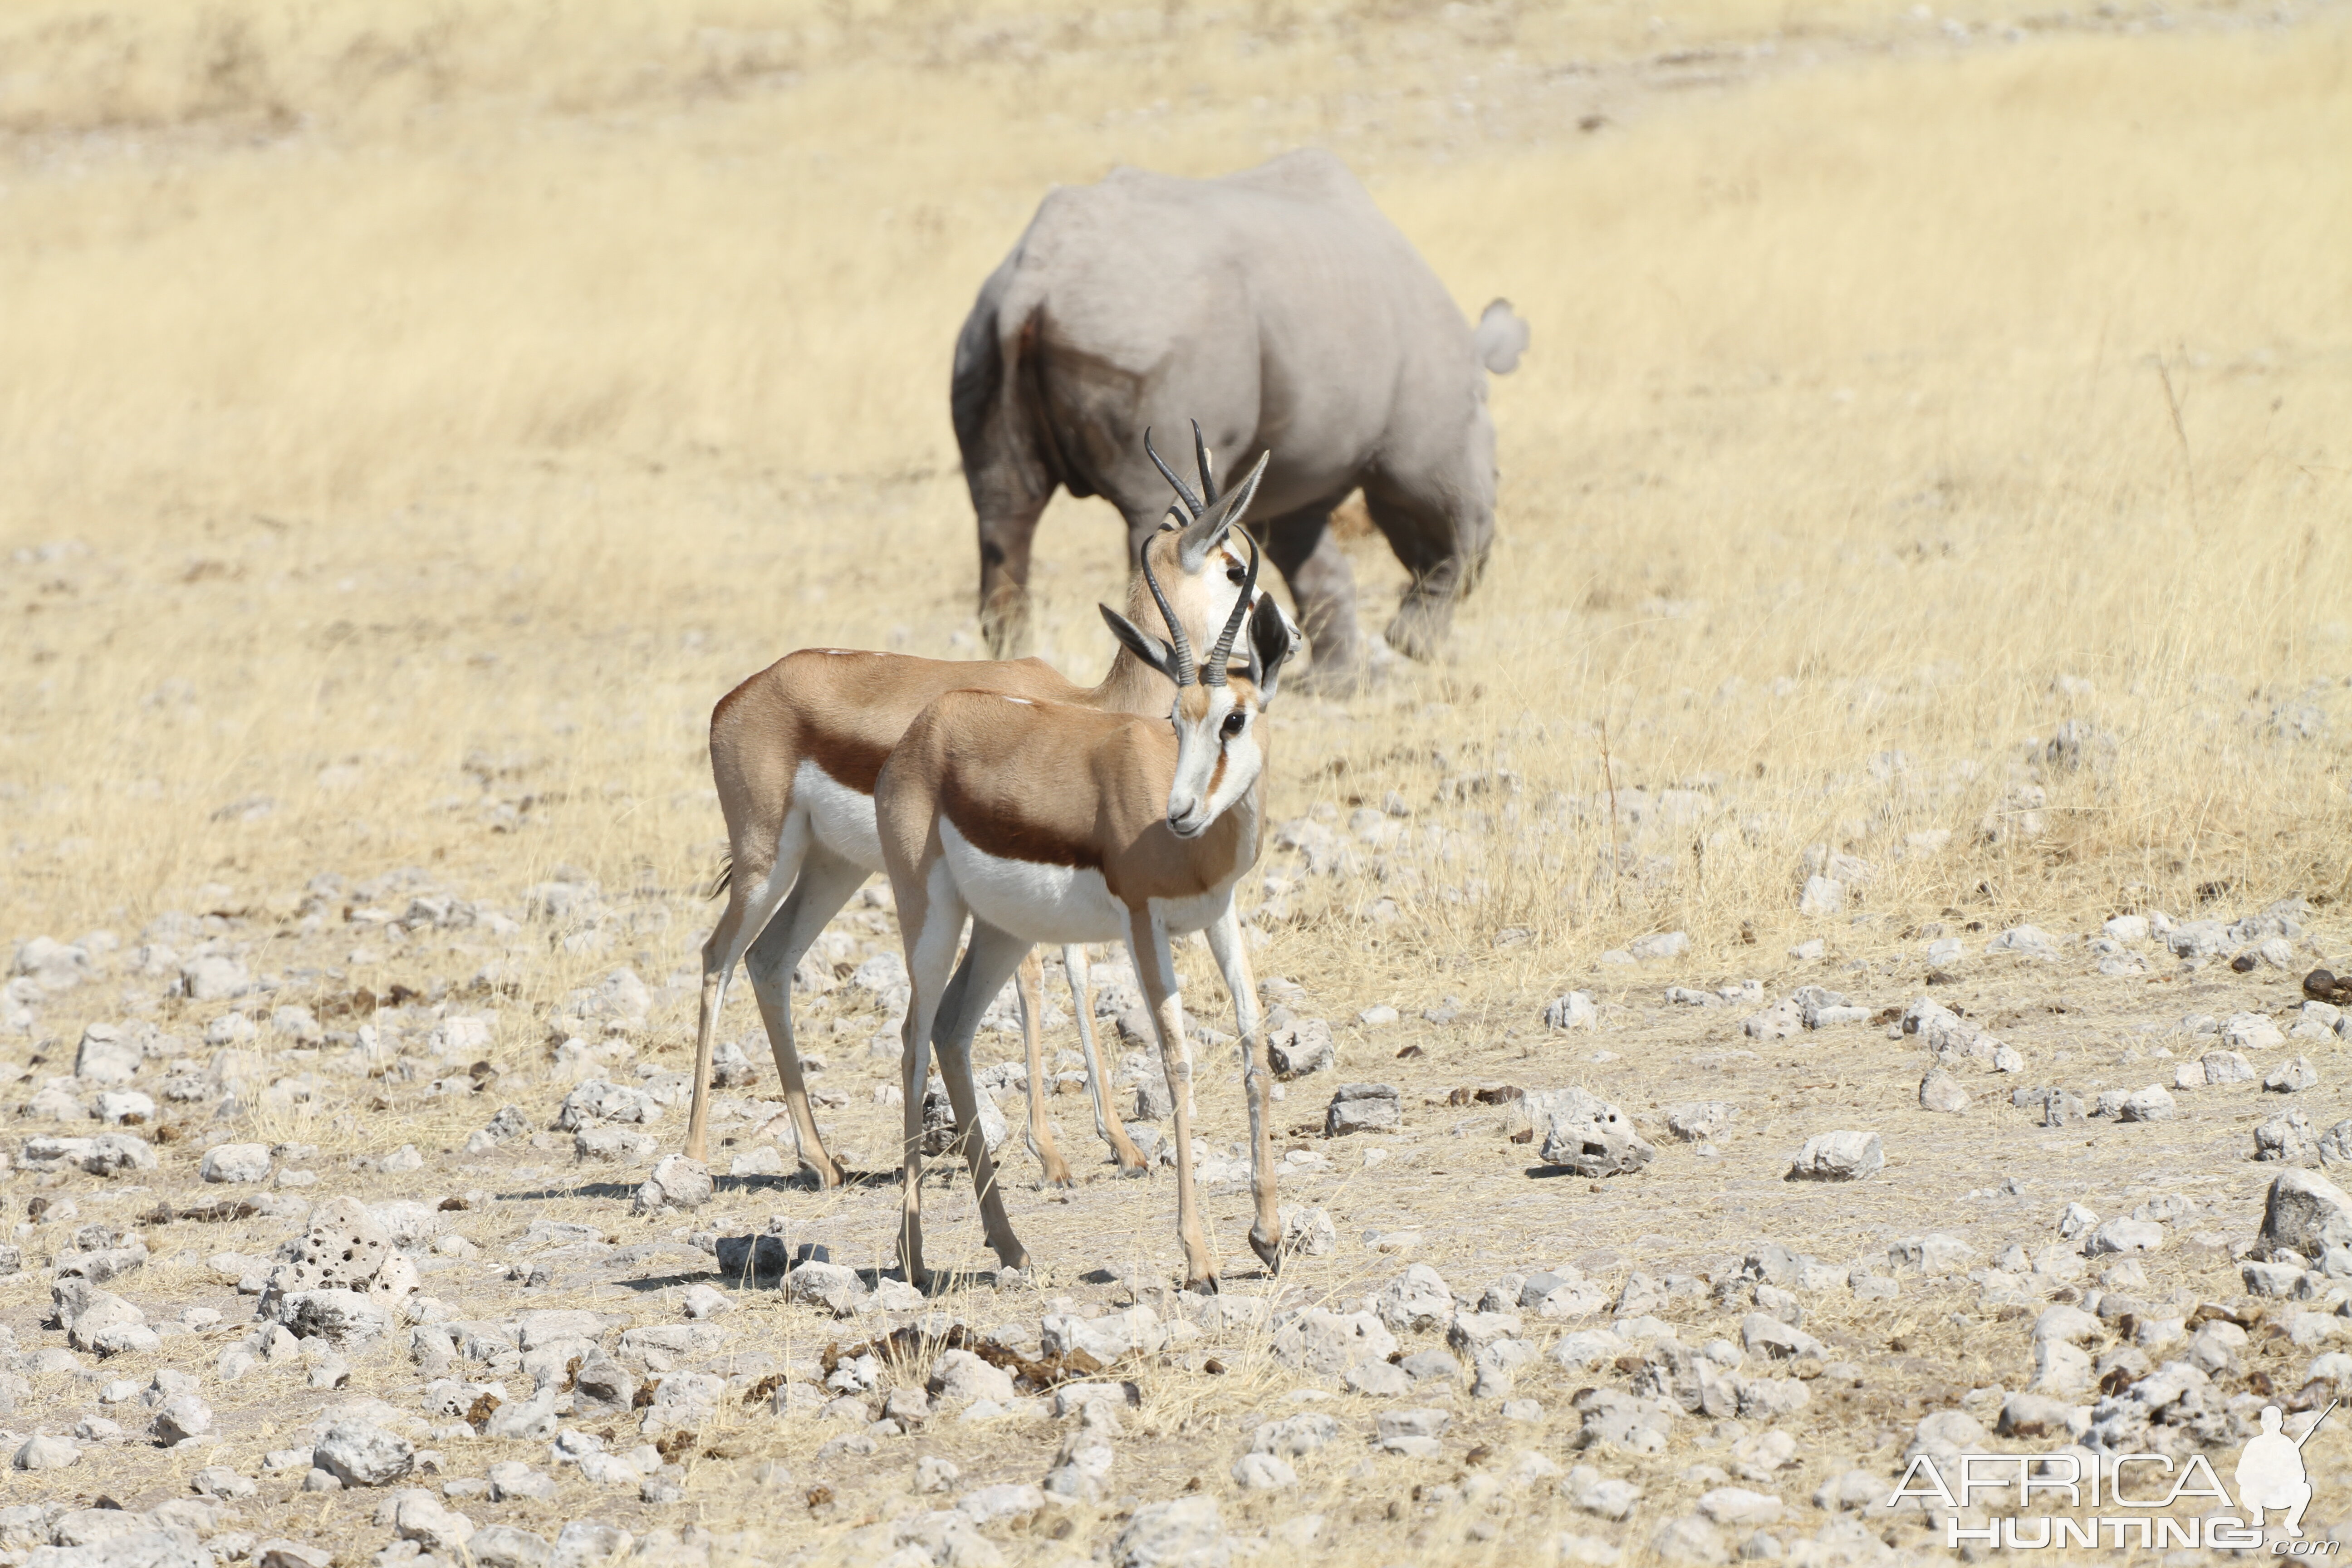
1280	308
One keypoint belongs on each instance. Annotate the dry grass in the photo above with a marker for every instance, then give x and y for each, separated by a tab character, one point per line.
412	426
520	422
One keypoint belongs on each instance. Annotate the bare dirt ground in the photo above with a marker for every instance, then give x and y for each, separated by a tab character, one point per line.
1920	540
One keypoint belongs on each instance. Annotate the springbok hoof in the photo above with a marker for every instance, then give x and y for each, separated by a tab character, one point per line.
1207	1287
827	1174
1268	1252
1057	1179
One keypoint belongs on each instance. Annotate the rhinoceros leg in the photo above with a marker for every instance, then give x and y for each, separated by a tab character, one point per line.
1006	527
1442	539
1302	547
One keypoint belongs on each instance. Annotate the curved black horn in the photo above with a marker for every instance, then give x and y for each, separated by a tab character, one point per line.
1214	672
1200	460
1192	502
1186	673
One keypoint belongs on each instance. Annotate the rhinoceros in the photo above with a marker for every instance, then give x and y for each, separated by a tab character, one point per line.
1281	309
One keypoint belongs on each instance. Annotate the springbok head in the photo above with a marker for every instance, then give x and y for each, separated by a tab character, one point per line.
1196	540
1215	713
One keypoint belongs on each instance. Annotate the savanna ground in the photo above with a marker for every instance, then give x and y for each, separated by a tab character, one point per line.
412	424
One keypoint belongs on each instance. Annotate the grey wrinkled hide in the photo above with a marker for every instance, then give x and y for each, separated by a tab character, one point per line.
1279	308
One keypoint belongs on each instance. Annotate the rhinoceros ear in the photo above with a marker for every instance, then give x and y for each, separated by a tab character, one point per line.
1208	530
1501	338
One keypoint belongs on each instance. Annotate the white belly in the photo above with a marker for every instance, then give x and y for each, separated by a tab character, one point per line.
839	817
1037	902
1184	916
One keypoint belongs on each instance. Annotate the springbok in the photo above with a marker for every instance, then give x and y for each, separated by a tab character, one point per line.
794	751
1049	822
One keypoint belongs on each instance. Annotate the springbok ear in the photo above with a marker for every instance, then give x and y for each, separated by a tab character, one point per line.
1271	645
1158	655
1208	530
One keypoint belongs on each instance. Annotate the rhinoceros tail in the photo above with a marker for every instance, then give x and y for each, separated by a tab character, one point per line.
1501	338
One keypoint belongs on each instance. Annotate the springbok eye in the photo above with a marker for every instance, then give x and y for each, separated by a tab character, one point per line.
1235	722
1235	572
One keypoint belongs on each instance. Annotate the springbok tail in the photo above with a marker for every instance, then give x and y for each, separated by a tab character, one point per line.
725	879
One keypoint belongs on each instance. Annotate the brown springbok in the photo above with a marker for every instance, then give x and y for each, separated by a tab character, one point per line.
794	751
1050	822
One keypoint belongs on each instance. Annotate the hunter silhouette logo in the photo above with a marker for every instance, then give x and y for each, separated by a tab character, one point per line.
2124	1493
2270	1473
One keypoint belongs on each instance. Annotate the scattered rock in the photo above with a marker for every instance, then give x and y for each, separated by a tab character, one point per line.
1309	1232
1364	1108
1738	1506
2025	942
1823	896
2285	1138
1781	1020
1690	1538
2125	1236
1585	1134
828	1284
2306	1214
360	1453
706	1301
2251	1032
508	1546
1263	1473
2035	1416
1934	1252
108	1054
2292	1077
1328	1344
960	1377
589	1544
1187	1532
43	1452
106	1154
613	1145
1700	1120
1659	945
677	1182
1301	1048
182	1418
1939	1090
236	1163
417	1515
1573	1011
1418	1299
1839	1157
